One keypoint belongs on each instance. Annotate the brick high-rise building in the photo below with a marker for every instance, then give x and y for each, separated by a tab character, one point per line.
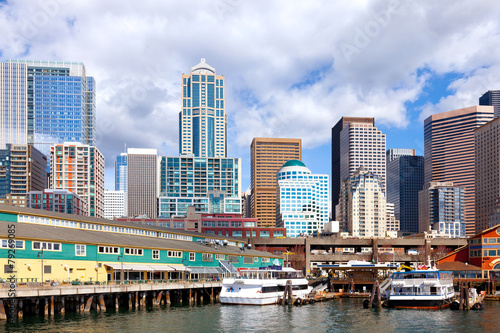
22	169
449	152
79	168
142	182
267	156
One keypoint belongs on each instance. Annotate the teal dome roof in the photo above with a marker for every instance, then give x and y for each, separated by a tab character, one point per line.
293	163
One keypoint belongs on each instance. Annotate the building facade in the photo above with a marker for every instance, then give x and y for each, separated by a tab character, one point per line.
203	120
142	182
302	199
442	208
22	169
45	103
115	204
186	176
336	154
214	202
61	201
395	153
362	205
491	97
79	168
121	172
405	178
267	156
487	172
449	152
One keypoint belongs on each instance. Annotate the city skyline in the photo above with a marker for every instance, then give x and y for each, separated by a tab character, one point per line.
302	84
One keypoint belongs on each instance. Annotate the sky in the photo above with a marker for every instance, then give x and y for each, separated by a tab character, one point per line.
292	68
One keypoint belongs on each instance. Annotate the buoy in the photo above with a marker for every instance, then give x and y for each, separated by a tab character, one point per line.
477	306
298	301
366	303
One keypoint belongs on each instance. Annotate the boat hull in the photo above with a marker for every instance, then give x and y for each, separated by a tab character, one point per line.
429	304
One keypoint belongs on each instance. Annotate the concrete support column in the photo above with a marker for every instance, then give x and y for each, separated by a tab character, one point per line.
307	252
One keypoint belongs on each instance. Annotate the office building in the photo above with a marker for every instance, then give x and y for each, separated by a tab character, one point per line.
487	173
79	168
405	178
22	169
449	152
14	200
356	142
46	103
395	153
187	176
203	121
142	182
362	205
491	97
302	199
213	202
392	224
267	156
61	201
115	204
441	208
121	172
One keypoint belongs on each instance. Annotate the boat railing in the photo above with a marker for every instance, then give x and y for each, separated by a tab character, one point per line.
414	293
415	282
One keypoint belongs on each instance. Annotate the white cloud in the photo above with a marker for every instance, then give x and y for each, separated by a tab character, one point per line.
292	68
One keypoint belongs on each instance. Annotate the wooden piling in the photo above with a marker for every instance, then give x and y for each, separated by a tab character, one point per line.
3	314
167	297
159	297
102	304
88	304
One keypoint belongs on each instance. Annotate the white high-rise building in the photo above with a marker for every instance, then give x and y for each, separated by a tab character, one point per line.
115	204
302	199
362	205
362	145
203	121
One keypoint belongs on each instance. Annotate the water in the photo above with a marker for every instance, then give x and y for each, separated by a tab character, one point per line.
343	315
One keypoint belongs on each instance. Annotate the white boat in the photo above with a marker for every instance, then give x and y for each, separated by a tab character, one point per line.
263	286
421	289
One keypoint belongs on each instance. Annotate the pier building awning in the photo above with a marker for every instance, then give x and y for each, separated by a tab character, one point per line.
205	270
140	268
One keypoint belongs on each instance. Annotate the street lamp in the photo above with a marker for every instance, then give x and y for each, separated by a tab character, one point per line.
120	258
38	256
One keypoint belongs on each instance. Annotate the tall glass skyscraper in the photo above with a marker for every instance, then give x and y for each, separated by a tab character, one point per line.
203	121
45	103
121	172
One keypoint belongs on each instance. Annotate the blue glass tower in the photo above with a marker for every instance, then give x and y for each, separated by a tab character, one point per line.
121	172
59	103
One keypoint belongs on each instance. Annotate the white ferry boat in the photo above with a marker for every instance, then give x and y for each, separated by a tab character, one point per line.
421	289
262	286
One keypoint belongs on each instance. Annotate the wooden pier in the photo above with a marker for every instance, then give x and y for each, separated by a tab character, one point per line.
53	300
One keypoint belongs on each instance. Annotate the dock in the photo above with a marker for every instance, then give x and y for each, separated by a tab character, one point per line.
51	300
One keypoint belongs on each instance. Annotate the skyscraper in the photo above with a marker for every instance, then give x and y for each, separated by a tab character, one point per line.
22	169
267	156
449	152
142	178
441	208
121	172
491	97
405	178
487	163
362	205
302	202
203	121
79	168
115	204
356	142
45	103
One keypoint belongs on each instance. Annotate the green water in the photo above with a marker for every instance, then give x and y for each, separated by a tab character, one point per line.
344	315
